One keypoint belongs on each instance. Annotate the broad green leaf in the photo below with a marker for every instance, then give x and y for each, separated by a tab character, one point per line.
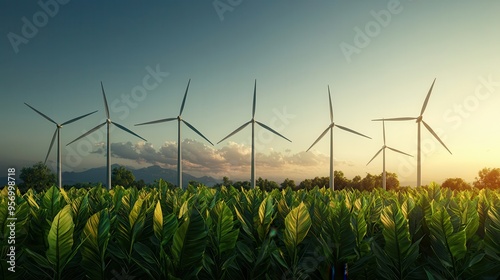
266	216
297	224
60	239
96	236
449	246
492	233
189	245
225	235
396	233
52	202
158	221
397	260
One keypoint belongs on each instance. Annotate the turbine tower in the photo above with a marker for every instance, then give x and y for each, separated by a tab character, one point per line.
58	133
384	185
179	143
253	121
330	127
108	122
420	120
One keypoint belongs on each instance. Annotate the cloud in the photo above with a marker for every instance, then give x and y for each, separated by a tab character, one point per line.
233	159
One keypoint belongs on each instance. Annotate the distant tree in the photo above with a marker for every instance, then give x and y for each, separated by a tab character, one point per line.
355	183
321	182
392	182
288	183
488	178
139	184
305	185
456	184
266	185
38	177
226	182
242	184
369	182
120	176
339	180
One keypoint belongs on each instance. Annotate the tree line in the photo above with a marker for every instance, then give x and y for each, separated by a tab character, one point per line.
39	177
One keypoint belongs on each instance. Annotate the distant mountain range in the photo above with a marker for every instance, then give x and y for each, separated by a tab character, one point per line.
148	174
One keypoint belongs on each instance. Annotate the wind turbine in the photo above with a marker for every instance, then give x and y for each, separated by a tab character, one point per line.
383	156
420	120
108	150
179	143
253	121
330	127
58	133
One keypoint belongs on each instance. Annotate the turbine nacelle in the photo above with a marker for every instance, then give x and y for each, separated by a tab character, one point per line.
108	122
57	133
419	120
253	121
330	128
179	148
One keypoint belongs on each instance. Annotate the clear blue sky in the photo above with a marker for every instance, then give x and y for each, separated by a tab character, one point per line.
379	58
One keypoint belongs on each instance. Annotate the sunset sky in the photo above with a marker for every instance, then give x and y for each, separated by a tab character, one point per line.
378	57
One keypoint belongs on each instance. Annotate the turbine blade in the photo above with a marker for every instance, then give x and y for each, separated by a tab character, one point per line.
236	131
331	106
43	115
87	133
383	129
427	98
105	101
435	135
51	144
375	155
398	151
254	98
272	130
321	136
352	131
396	119
195	130
184	99
75	119
157	121
128	130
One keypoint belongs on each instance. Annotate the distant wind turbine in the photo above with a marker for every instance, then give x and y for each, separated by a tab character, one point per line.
108	150
330	127
57	131
383	156
419	120
253	121
179	143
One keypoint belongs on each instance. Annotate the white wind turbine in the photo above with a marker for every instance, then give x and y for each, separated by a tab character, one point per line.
383	156
330	127
108	122
179	143
253	121
58	133
420	120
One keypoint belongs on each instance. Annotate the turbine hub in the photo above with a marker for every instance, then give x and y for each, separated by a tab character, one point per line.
419	119
108	121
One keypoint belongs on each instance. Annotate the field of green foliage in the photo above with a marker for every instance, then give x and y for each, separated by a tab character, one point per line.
228	233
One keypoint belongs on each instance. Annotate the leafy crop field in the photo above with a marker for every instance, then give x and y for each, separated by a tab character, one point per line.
227	233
